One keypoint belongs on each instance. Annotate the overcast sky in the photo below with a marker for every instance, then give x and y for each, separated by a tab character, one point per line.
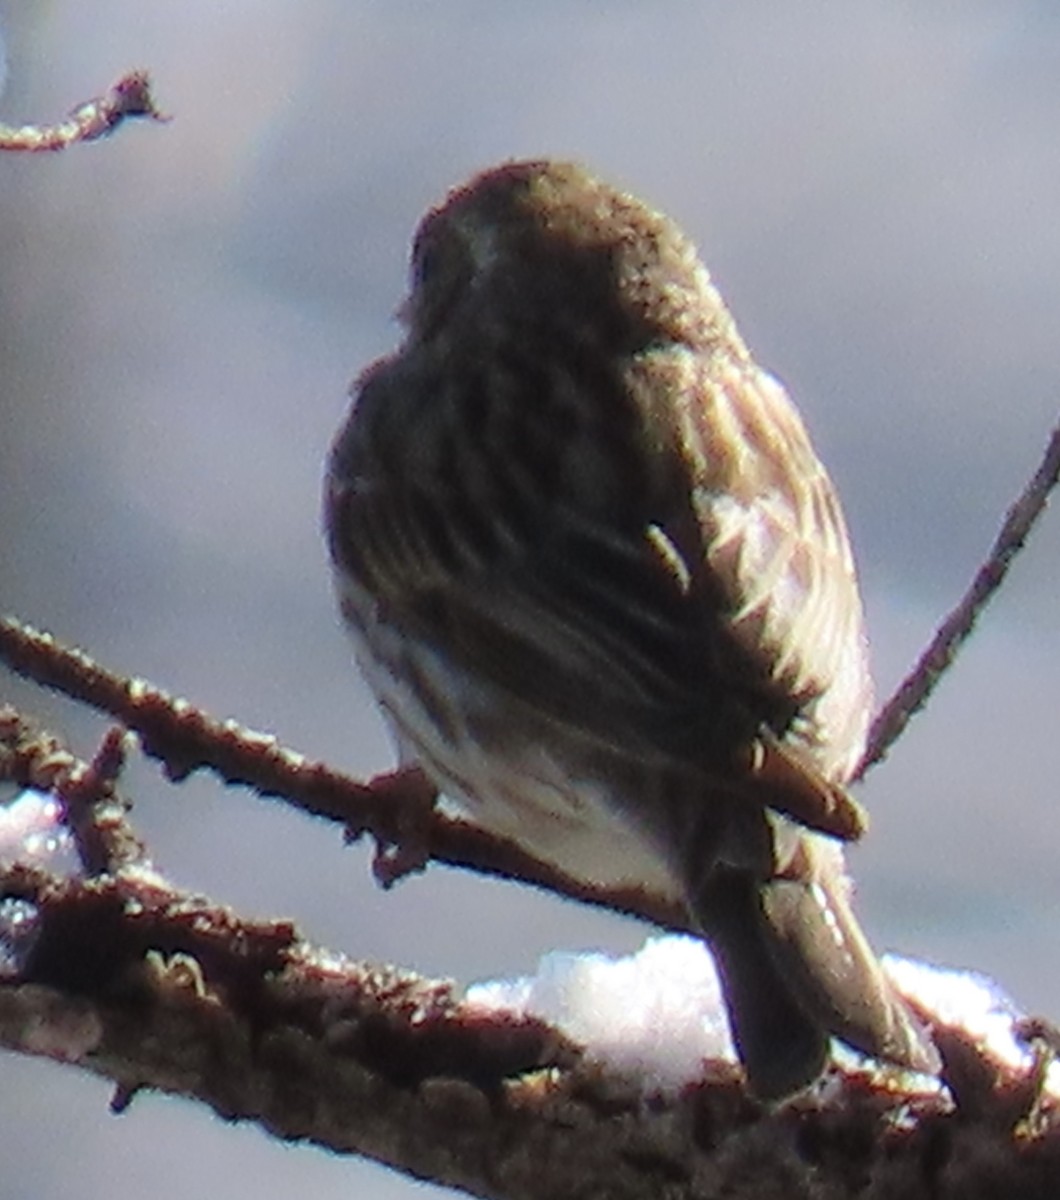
875	190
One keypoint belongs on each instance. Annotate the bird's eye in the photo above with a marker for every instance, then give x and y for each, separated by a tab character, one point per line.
436	254
426	259
441	274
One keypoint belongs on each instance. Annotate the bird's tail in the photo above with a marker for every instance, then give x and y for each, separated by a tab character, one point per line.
797	969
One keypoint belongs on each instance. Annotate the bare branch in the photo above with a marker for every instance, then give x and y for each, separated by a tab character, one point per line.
918	685
129	97
396	809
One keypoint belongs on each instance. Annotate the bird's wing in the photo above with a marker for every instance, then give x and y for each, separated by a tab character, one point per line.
697	635
769	532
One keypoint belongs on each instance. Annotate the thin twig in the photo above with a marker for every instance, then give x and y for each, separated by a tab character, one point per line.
129	97
97	815
918	685
94	812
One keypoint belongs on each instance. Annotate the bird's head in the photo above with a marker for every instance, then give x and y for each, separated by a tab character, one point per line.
544	243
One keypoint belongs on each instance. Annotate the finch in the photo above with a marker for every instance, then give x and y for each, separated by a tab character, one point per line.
602	587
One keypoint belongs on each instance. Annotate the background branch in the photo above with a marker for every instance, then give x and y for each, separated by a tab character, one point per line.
129	97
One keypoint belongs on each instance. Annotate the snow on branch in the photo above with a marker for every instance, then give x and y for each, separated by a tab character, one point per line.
124	975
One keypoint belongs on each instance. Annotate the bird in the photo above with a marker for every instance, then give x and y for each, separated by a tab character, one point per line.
602	588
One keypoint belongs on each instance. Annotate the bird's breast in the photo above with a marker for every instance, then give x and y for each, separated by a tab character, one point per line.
512	778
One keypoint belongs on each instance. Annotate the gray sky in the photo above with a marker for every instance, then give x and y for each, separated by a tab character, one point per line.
874	188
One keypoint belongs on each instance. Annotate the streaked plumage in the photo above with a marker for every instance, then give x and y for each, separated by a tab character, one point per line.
601	584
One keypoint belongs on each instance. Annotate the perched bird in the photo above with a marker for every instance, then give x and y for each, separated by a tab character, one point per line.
600	583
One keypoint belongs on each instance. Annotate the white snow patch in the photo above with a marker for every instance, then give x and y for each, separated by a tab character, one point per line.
32	832
655	1015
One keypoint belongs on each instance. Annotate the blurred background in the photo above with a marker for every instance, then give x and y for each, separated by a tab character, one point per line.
875	189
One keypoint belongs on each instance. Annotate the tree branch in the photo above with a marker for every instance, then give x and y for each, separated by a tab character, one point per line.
134	980
129	97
